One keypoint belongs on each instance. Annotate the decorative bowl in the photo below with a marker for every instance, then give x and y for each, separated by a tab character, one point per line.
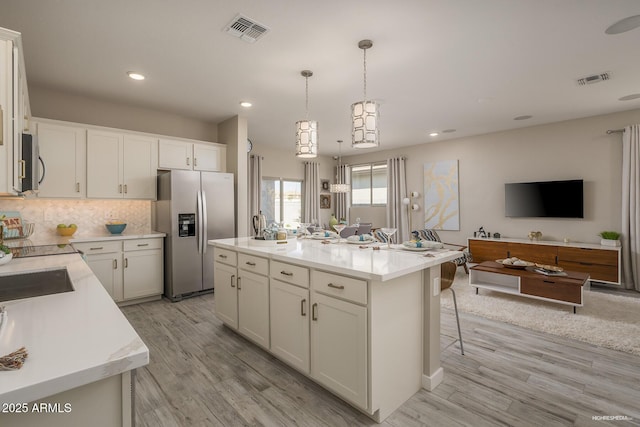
116	228
6	258
66	231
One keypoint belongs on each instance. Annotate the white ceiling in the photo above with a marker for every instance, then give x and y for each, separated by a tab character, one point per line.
469	65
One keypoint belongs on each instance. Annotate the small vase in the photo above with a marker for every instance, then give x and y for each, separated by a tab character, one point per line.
609	242
333	221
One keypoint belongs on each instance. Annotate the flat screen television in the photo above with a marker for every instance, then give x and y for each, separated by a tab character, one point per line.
552	199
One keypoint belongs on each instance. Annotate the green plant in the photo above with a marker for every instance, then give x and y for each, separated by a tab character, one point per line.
610	235
5	249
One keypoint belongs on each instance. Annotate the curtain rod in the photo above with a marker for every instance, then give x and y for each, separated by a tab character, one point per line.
610	131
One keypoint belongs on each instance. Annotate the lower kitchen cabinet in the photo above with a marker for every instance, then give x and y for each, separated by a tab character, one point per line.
289	323
130	270
226	300
253	307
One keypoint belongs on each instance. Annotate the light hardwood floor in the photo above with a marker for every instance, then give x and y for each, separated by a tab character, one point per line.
203	374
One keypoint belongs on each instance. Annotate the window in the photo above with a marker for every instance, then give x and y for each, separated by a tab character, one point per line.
369	184
281	201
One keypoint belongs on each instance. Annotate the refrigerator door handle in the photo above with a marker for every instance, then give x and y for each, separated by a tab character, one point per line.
199	221
204	222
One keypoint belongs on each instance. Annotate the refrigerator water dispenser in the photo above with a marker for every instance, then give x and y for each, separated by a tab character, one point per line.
186	225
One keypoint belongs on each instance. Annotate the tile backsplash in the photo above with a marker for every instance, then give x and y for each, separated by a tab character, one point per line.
89	215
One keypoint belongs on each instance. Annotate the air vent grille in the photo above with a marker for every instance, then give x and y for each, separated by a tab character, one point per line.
596	78
246	29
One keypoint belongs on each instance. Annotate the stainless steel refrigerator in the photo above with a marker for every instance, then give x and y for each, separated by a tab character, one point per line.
191	208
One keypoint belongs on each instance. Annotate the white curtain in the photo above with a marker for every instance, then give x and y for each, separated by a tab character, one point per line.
397	216
630	206
343	200
255	184
311	192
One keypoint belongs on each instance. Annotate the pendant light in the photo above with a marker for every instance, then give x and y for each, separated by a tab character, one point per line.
339	187
365	114
306	130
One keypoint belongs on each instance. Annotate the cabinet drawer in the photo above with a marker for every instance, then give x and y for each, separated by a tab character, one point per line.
543	254
102	247
253	263
586	255
142	244
605	273
484	250
552	289
293	274
225	256
344	287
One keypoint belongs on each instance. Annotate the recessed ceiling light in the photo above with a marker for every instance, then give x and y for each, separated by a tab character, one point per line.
522	118
135	76
246	104
630	97
624	25
448	131
433	134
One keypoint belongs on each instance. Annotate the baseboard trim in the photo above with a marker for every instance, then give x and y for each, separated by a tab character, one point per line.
431	382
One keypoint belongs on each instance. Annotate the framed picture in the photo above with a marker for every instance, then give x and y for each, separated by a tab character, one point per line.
325	201
325	184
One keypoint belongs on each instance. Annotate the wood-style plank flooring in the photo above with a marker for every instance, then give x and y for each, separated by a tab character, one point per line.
203	374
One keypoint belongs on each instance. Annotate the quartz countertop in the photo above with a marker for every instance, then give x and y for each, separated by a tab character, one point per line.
342	258
45	239
73	338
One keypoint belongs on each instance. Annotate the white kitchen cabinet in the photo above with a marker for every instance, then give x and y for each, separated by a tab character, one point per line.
226	300
143	268
63	150
253	307
176	154
14	111
121	165
339	347
289	323
130	270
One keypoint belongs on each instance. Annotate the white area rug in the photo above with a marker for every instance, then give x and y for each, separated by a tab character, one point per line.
605	320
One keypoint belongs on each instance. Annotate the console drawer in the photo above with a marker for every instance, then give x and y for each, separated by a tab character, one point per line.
549	287
605	273
484	250
587	255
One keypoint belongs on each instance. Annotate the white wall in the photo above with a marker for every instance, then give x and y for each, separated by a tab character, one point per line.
54	104
576	149
284	164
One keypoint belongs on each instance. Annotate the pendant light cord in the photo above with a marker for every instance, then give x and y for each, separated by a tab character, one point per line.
306	92
365	75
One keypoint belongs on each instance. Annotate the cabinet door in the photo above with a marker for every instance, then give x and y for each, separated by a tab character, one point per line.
486	250
226	298
108	269
140	158
143	275
253	307
104	165
289	320
208	157
543	254
63	151
339	347
175	154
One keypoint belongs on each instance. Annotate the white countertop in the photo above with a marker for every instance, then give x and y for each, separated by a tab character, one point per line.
343	258
73	338
37	240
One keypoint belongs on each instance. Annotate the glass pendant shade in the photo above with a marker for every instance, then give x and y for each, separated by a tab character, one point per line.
306	138
364	119
339	188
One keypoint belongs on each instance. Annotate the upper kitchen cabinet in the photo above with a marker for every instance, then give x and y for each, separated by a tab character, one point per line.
176	154
121	165
63	150
14	111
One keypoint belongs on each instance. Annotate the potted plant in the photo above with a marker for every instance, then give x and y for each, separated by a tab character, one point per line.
610	238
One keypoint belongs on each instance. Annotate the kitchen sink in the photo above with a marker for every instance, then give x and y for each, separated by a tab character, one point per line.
34	284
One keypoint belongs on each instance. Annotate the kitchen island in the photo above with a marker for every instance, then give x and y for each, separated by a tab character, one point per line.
82	351
363	323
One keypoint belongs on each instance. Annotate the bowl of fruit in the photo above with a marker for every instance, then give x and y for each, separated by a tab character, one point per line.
115	227
66	230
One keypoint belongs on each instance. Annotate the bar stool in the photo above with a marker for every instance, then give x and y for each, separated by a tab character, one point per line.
447	275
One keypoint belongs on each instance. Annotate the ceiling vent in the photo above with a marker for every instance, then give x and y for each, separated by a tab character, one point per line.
596	78
246	29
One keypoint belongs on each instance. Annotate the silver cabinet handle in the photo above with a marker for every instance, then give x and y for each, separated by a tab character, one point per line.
96	249
331	285
119	188
195	161
125	188
222	256
238	281
233	277
142	244
303	304
115	264
77	187
126	263
252	264
314	311
23	166
286	273
187	161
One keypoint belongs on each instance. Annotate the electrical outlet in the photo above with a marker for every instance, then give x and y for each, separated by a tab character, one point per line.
436	287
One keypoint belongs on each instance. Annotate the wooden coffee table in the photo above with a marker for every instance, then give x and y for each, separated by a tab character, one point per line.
563	289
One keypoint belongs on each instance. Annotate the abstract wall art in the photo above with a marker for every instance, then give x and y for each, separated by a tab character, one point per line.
441	199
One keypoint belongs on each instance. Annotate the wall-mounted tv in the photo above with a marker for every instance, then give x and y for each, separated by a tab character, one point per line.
553	199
